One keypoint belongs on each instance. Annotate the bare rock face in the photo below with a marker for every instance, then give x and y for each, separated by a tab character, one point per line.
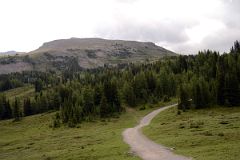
86	53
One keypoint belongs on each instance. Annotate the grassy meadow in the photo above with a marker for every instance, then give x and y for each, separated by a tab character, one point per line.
32	138
207	134
20	92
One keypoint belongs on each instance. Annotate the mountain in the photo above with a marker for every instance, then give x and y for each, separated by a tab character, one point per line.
8	53
85	53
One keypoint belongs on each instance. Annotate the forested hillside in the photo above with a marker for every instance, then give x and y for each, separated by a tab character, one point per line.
199	81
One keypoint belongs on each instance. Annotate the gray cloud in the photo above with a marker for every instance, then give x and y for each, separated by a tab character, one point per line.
172	33
155	32
223	39
220	41
231	14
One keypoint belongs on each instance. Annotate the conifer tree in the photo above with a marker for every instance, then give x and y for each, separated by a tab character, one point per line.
88	101
5	108
104	107
16	110
27	108
128	94
38	85
97	95
184	98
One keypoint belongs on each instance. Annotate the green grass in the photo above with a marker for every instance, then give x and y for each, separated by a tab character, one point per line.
31	138
20	92
210	134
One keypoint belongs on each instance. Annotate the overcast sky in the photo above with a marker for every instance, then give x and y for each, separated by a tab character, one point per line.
184	26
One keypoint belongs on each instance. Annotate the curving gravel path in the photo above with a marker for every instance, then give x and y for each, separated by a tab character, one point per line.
146	148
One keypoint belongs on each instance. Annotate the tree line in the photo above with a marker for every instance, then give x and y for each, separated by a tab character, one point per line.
210	79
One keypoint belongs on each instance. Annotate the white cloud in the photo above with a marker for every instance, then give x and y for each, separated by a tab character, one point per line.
184	26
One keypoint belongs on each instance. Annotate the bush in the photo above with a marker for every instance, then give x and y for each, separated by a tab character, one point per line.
197	124
181	125
142	108
179	112
207	133
166	99
56	121
71	124
221	134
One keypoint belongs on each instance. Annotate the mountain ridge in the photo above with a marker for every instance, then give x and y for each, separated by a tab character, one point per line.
86	52
9	53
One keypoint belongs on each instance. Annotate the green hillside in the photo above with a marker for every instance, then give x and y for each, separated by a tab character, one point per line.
32	138
20	92
206	134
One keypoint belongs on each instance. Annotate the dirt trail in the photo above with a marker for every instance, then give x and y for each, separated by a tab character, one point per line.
146	148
